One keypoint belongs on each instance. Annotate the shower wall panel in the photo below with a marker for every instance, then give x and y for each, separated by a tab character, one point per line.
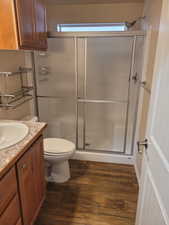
56	88
60	115
55	69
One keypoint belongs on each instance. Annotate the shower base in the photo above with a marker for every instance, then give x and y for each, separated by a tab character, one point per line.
104	157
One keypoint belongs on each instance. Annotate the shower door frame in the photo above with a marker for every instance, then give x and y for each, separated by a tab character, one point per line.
85	35
84	100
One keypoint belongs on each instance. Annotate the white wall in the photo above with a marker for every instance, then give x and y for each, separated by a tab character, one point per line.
80	13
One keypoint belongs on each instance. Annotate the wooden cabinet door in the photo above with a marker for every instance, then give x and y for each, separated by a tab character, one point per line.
31	16
31	181
39	173
12	213
8	29
26	187
26	23
24	26
40	24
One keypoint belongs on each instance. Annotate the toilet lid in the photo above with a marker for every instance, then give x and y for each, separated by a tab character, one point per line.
58	145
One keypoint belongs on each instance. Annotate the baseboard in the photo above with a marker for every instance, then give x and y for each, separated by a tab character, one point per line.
137	173
104	157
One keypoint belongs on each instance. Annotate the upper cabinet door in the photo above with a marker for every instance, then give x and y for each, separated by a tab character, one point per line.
26	23
40	24
8	25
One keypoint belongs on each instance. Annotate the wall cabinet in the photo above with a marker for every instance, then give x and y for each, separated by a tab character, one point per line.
24	25
28	186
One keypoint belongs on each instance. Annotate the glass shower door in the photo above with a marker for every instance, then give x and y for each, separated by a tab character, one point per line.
85	92
103	92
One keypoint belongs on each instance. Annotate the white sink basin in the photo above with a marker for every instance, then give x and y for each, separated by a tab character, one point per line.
11	133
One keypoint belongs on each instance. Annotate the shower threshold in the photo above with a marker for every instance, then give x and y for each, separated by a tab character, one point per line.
98	156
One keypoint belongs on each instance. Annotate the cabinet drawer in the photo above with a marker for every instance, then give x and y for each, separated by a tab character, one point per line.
8	188
11	214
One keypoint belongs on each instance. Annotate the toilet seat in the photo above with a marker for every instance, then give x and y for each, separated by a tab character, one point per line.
57	146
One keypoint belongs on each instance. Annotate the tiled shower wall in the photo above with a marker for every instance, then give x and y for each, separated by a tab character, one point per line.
10	61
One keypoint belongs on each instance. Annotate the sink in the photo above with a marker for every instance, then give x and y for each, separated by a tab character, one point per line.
11	133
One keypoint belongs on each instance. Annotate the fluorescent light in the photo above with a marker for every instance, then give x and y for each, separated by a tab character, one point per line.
91	27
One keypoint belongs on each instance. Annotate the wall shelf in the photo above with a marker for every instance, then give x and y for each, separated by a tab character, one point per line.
21	70
17	98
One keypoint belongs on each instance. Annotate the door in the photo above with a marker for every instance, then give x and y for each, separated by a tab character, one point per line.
31	181
26	23
104	70
85	93
38	168
31	16
26	186
153	205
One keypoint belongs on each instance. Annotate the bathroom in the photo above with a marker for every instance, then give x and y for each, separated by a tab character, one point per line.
76	94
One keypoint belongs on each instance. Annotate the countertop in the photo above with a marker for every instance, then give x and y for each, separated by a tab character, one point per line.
9	156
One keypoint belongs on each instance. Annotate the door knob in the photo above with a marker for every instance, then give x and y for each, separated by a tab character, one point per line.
143	144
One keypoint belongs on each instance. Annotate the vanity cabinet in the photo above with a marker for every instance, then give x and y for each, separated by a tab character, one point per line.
22	188
23	25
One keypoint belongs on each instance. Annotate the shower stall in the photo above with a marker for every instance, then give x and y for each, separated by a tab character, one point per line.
87	89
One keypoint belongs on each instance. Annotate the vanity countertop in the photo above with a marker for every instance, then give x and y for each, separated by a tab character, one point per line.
10	155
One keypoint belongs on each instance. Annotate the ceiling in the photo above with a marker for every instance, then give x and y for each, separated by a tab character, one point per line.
92	1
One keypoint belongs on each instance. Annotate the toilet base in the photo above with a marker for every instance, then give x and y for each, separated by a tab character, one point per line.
58	172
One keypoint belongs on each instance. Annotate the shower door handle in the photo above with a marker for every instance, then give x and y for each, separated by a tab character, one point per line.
101	101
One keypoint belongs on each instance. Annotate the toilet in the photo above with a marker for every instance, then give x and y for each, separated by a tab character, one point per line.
57	152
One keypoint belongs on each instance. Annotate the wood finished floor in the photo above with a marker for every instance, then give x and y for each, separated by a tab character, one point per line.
97	194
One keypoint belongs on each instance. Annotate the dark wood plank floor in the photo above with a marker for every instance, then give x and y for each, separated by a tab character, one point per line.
97	194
